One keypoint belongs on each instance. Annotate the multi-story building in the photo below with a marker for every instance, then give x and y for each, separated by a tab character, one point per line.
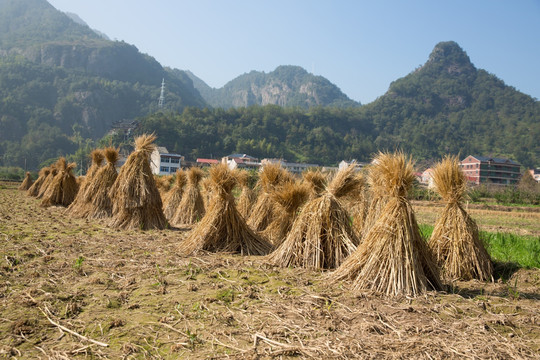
295	168
164	163
241	161
488	170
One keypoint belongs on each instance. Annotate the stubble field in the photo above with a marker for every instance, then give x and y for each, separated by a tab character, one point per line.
71	288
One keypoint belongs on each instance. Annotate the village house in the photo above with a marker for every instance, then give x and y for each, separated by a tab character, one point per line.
426	177
295	168
206	162
535	173
241	161
488	170
344	164
164	163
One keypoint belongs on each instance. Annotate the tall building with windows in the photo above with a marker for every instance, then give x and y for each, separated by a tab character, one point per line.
487	170
164	163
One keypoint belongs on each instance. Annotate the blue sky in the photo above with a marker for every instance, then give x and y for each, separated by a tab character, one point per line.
361	46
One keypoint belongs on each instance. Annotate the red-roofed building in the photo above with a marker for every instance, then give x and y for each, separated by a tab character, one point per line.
482	170
207	162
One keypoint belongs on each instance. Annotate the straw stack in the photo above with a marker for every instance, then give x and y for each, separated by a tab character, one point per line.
455	240
262	213
247	197
63	187
48	180
100	205
392	259
79	205
321	237
191	208
36	186
316	182
223	229
174	196
135	197
27	182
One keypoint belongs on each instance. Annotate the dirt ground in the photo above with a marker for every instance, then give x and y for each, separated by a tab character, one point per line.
70	288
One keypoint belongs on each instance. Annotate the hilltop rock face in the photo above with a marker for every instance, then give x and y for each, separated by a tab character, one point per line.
287	86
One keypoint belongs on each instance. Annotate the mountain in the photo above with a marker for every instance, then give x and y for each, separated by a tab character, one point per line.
287	86
80	21
446	106
59	78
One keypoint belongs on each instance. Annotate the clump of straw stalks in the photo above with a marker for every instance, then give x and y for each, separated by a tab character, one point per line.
36	186
27	182
100	205
174	196
79	205
135	197
287	198
223	229
455	241
247	197
316	183
321	237
163	184
262	213
63	187
48	180
191	208
392	259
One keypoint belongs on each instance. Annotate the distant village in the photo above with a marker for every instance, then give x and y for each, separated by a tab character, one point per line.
477	169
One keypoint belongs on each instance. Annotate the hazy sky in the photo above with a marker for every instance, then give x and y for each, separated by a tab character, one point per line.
361	46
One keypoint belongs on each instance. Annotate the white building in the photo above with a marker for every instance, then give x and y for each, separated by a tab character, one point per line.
164	163
344	164
241	161
295	168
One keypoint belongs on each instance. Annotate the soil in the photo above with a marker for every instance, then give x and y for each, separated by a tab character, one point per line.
72	288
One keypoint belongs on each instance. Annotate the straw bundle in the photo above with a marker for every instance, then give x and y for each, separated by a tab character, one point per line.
36	186
48	180
392	259
247	197
321	236
27	182
191	208
135	197
78	206
100	205
163	184
174	197
63	187
316	182
288	198
262	212
455	241
223	229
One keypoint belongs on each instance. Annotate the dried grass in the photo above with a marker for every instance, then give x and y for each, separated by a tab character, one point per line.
321	237
63	187
78	206
262	213
163	183
100	206
174	196
36	186
48	180
27	182
223	229
135	197
247	197
455	240
191	208
392	259
316	181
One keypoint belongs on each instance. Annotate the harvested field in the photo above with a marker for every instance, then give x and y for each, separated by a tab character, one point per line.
68	287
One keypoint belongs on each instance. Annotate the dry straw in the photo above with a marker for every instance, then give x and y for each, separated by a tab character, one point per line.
223	229
163	183
392	259
247	197
262	213
63	187
321	237
79	205
100	205
135	197
48	180
174	197
316	182
191	208
287	198
455	241
36	186
27	182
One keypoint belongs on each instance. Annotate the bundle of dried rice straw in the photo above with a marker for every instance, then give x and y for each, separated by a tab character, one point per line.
316	182
247	197
223	229
27	182
78	206
321	237
48	180
174	196
100	205
36	186
135	197
63	187
455	240
392	259
191	208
